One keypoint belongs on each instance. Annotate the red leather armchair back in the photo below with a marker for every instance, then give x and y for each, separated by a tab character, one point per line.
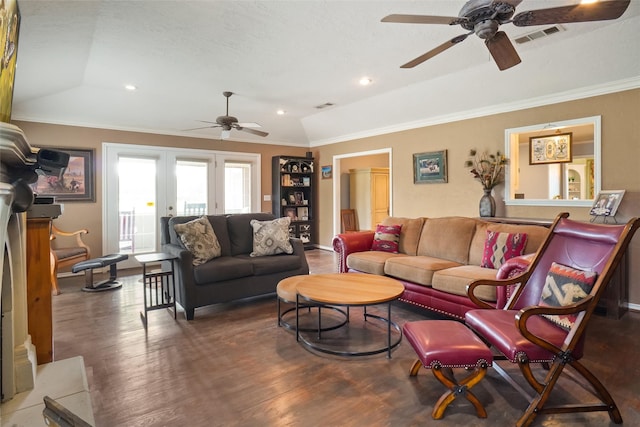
584	246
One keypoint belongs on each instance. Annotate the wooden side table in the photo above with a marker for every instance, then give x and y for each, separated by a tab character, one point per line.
159	286
40	311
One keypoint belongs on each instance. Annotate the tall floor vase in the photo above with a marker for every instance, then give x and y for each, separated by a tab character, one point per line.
487	204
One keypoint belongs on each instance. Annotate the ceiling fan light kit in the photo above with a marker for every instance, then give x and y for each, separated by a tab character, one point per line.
484	17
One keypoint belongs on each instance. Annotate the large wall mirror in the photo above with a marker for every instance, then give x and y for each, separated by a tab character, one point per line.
554	164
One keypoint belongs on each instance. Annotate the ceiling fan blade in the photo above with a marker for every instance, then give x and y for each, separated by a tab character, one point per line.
502	51
600	11
249	125
253	131
207	121
203	127
421	19
433	52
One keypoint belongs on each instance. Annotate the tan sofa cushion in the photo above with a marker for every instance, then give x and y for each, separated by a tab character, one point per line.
417	269
371	262
535	236
455	280
447	238
409	234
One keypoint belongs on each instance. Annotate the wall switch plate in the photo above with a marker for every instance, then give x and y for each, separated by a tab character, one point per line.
266	197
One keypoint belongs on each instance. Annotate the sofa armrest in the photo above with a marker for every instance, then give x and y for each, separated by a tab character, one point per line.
515	266
348	243
298	249
183	272
512	268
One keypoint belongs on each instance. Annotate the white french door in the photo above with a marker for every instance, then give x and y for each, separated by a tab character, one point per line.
143	183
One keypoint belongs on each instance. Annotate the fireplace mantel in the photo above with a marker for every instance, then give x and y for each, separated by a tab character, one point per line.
24	384
17	161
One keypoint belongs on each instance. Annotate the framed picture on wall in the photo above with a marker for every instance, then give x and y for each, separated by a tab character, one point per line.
77	181
326	172
607	202
430	167
554	148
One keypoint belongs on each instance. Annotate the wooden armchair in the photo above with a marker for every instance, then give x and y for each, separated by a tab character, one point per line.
544	321
68	255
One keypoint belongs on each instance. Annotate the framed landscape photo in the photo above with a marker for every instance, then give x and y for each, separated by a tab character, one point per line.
430	167
607	202
326	172
77	181
554	148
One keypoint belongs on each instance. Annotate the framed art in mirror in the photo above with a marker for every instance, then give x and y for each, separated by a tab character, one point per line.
550	149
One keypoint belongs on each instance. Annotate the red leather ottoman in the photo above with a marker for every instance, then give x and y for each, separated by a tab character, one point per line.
442	345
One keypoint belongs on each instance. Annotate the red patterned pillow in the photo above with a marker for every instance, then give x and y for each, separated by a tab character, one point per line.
500	247
386	238
565	286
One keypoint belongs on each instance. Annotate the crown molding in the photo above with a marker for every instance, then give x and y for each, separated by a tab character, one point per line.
556	98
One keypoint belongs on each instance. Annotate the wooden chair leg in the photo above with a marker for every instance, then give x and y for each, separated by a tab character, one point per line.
415	368
555	371
55	290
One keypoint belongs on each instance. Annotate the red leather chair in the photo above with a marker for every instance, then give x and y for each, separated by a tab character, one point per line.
521	335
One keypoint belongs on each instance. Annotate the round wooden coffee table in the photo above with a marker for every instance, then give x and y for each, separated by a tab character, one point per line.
349	290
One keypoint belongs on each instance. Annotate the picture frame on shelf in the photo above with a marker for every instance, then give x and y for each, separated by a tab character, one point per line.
607	203
430	167
556	148
76	183
291	213
303	213
305	237
298	197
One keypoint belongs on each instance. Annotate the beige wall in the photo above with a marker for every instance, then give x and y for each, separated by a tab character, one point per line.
89	215
460	196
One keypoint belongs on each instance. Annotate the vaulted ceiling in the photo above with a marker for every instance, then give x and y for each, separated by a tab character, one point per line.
74	58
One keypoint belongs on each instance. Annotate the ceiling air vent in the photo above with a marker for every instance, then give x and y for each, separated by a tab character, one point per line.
325	105
539	34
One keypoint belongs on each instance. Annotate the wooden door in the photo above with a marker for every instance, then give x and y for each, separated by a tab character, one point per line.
379	197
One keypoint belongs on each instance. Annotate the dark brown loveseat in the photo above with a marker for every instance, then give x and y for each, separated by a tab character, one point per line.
235	274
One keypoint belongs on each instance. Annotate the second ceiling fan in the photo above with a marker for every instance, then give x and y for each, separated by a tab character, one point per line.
228	122
484	17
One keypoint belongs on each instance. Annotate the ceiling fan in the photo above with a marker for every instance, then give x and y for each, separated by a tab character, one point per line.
483	17
228	122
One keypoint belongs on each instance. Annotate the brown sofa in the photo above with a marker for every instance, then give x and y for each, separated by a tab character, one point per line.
437	258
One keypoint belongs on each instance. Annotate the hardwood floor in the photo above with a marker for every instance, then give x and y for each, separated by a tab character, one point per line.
233	366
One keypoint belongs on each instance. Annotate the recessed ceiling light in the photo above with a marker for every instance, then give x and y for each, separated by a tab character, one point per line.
130	87
364	81
280	112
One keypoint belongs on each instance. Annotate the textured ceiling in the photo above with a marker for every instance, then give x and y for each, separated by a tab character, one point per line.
75	57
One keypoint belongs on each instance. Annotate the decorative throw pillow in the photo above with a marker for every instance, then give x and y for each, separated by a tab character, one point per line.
565	286
271	237
386	238
199	239
500	247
